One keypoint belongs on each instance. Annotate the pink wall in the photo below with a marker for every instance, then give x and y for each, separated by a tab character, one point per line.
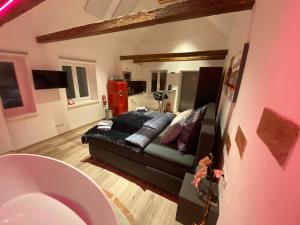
25	84
259	191
51	105
5	143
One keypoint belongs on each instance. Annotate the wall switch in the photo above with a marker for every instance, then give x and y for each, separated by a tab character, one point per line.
60	125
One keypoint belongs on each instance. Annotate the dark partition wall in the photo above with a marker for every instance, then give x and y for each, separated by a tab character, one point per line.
208	85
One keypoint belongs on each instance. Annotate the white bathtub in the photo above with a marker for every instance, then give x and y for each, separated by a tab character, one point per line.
37	190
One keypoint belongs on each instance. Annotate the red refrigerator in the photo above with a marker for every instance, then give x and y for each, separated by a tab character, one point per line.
117	92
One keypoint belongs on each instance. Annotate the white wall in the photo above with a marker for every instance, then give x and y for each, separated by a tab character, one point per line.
259	191
175	80
183	36
5	143
52	110
238	37
50	16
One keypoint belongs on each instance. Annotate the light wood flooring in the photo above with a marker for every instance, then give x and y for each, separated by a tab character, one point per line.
147	204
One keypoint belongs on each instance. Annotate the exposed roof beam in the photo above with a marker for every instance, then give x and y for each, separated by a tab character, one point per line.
16	8
168	1
184	56
175	59
174	12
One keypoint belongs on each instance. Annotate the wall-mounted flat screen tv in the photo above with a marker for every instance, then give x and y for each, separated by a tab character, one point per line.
46	79
136	87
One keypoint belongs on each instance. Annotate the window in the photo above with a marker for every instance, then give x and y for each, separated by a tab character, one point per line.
127	76
154	82
16	88
9	88
163	81
158	80
78	81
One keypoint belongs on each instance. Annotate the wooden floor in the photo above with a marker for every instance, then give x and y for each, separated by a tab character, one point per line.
148	205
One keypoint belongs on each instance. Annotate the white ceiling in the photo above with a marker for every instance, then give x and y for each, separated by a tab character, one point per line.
98	8
73	13
125	7
106	9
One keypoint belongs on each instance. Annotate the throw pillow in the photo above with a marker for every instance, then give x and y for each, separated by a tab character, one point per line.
171	134
189	135
175	128
181	117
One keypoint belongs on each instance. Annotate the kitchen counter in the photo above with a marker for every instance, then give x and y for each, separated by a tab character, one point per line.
136	94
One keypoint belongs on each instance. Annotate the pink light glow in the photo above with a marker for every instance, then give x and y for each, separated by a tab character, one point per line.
6	5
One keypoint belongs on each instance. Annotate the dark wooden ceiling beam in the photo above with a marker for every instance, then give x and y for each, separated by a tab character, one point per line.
185	10
216	57
16	9
223	52
184	56
168	1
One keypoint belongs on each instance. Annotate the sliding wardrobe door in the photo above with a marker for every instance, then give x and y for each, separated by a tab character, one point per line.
208	85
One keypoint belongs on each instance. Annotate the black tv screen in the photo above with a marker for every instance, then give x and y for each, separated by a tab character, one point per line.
46	79
136	87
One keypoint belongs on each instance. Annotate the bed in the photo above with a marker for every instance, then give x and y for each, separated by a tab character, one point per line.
161	165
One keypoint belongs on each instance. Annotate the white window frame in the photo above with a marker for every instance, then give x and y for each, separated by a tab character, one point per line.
158	79
75	80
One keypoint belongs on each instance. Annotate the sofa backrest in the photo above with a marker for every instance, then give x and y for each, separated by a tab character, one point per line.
207	133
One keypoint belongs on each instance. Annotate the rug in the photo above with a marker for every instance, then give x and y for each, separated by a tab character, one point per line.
144	185
123	214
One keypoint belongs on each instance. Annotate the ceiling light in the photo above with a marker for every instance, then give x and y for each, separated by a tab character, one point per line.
6	5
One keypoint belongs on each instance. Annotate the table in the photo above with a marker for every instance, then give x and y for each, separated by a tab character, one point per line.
190	208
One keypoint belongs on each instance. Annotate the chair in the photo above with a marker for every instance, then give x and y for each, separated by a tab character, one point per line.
160	96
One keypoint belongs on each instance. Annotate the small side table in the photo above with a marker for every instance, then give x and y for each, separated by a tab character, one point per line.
190	208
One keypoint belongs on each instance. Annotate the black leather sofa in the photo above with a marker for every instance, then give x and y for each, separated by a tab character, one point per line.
161	165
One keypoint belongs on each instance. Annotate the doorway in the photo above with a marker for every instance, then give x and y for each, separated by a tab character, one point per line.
188	90
198	88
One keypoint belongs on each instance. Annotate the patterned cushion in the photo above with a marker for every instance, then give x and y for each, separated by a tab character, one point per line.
159	123
141	138
189	135
181	117
171	134
175	128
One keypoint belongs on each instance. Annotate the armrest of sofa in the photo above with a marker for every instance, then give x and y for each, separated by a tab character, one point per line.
207	134
206	142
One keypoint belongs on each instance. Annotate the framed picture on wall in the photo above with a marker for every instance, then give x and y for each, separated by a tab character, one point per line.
234	73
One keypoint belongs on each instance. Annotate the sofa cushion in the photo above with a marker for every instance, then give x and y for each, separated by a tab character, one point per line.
175	128
142	137
181	117
159	123
189	135
147	160
160	135
171	134
167	153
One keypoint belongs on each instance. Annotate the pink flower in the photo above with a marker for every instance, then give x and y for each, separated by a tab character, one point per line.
206	161
196	181
200	174
202	171
218	173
